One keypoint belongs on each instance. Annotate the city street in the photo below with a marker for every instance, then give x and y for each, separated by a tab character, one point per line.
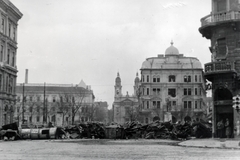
108	149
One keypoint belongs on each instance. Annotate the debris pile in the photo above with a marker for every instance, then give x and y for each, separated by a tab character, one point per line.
85	130
130	130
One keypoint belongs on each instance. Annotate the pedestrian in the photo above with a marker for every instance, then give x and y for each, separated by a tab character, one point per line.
228	128
220	127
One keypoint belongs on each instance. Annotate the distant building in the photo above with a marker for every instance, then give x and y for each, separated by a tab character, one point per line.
39	104
9	16
172	87
125	106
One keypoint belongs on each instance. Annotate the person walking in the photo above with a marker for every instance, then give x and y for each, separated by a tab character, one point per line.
220	127
228	128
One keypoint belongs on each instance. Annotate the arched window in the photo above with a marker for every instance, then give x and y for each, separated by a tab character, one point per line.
171	78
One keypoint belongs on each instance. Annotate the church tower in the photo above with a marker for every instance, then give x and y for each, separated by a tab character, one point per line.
118	86
136	85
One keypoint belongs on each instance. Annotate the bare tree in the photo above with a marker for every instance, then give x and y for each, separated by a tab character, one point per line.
132	113
63	106
74	99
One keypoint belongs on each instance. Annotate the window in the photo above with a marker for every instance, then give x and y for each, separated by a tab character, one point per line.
200	78
187	104
154	104
158	104
221	5
221	47
1	53
143	104
196	105
174	103
147	104
147	91
8	57
30	98
196	78
187	78
200	91
171	78
196	93
30	119
9	29
187	91
3	25
156	78
14	34
147	78
13	59
172	92
200	104
143	78
156	91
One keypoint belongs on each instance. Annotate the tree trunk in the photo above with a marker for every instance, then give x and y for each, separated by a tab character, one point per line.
63	120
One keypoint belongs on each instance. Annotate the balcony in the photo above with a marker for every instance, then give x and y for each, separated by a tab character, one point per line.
219	67
220	17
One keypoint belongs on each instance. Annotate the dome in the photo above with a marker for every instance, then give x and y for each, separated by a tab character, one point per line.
137	80
146	64
118	79
171	50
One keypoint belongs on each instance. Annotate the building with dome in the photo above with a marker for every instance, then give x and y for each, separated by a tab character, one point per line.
172	88
125	107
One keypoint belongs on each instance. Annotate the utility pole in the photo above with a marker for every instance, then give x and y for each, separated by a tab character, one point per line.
23	99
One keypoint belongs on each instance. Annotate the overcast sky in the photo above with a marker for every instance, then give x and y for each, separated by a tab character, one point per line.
64	41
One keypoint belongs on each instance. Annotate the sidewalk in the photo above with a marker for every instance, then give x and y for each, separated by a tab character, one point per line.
212	143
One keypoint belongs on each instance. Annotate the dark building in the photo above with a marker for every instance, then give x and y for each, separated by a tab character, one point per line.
222	28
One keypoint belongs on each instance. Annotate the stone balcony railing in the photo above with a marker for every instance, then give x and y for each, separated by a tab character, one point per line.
219	67
220	17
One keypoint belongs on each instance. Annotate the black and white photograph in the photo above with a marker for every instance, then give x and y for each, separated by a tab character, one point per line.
120	79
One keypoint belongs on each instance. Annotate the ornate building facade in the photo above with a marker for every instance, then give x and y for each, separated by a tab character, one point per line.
125	106
222	28
172	88
39	104
9	16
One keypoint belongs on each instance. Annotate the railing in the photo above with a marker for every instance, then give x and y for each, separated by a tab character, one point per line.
220	17
217	67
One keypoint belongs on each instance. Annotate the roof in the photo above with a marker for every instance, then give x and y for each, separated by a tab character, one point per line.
52	88
172	62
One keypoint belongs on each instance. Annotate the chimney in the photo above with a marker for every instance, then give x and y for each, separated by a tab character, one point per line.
26	76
